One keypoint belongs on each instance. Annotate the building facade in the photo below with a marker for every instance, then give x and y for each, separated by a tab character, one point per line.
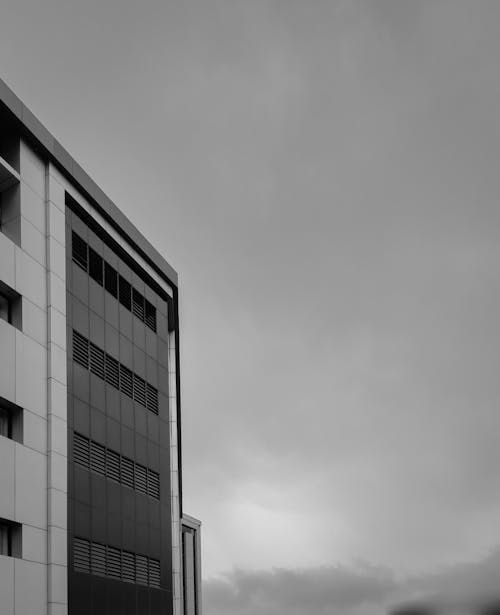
91	518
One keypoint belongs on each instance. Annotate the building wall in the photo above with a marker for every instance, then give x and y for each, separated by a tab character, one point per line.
33	376
100	510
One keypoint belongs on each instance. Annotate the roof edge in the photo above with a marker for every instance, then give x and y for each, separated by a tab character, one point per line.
36	132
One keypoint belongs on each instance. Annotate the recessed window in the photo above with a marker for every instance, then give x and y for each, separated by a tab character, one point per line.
10	305
11	421
10	538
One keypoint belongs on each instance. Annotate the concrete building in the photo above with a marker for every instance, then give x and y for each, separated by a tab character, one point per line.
91	518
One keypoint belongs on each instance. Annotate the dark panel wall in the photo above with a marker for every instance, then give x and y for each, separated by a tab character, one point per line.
98	508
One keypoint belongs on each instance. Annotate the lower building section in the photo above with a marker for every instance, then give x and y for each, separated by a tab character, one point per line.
191	559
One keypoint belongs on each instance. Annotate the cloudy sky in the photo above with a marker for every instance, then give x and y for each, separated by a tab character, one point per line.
324	176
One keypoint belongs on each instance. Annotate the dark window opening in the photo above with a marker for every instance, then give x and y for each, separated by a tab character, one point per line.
125	292
150	318
10	538
95	266
11	421
79	251
111	280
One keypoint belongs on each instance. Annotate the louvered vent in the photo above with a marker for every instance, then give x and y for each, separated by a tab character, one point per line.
81	450
154	573
81	555
152	398
138	304
97	559
113	465
141	479
150	317
95	266
128	567
79	251
111	280
112	371
154	484
97	458
96	360
114	563
126	381
80	350
141	569
124	291
127	472
139	390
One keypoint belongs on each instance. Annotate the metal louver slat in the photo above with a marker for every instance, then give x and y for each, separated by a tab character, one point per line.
141	569
114	563
139	390
81	450
81	555
97	458
137	304
80	349
112	371
152	399
79	251
97	559
113	465
127	472
154	484
96	360
126	381
128	567
141	479
154	573
150	317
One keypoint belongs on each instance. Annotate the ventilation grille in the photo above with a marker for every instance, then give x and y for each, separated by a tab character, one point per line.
152	399
98	559
138	304
150	316
79	251
112	371
126	381
105	275
81	450
127	472
81	555
128	567
111	464
103	560
154	572
97	458
141	569
80	350
114	563
139	390
154	484
141	479
97	361
106	367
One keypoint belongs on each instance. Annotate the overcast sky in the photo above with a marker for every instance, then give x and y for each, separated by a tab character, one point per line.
324	176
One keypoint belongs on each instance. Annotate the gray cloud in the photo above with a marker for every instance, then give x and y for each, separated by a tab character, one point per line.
324	177
358	589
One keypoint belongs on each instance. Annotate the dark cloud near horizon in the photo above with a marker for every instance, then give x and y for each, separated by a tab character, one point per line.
337	590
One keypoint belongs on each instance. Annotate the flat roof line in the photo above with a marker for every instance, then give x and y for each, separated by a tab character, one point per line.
44	140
